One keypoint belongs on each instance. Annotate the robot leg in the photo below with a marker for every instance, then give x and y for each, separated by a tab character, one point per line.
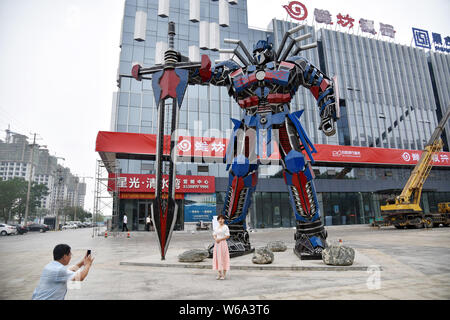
242	181
310	237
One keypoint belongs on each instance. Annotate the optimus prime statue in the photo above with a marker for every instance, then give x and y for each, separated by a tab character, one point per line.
264	86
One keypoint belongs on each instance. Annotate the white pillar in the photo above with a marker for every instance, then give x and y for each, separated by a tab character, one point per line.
224	13
194	10
204	35
214	36
140	25
194	53
164	8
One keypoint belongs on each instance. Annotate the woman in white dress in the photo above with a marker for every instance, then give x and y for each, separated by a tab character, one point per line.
221	255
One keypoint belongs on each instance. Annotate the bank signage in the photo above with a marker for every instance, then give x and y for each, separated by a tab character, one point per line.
422	40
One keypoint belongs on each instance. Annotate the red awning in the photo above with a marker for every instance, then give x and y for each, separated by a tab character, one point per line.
123	145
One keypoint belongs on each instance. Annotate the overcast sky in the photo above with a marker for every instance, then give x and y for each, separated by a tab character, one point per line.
59	59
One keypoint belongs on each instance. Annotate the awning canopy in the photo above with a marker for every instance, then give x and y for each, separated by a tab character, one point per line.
124	145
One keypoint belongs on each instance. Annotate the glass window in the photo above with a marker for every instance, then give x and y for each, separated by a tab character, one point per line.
134	116
135	100
122	116
123	99
147	114
147	100
136	86
133	129
276	209
126	53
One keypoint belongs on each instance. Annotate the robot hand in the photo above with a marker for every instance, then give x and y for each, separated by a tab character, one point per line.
328	122
331	113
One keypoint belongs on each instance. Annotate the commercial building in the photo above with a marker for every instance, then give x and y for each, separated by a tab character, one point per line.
392	97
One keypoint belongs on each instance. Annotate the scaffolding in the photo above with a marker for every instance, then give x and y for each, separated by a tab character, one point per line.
106	194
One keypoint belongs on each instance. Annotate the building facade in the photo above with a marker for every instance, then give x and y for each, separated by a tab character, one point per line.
392	96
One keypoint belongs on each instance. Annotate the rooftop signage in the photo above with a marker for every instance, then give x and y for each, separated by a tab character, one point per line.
423	40
298	11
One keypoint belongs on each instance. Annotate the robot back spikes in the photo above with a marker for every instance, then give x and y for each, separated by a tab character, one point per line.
281	56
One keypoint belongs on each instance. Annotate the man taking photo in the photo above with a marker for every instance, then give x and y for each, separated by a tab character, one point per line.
54	277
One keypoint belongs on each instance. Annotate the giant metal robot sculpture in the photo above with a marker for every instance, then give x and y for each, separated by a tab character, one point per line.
264	86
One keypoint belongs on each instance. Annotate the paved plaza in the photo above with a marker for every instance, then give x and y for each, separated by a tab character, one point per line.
410	264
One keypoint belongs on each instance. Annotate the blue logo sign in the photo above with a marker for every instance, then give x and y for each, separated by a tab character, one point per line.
421	38
199	207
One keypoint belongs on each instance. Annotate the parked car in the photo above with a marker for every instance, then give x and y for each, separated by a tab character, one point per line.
20	228
38	227
68	226
6	229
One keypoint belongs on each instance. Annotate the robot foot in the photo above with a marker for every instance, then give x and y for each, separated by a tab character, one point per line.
310	240
238	243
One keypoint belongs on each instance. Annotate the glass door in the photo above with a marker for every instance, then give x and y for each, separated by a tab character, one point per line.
144	210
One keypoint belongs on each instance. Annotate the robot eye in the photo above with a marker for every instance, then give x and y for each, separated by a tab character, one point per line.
260	57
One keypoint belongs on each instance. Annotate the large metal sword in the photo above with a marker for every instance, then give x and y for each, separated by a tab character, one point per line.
169	83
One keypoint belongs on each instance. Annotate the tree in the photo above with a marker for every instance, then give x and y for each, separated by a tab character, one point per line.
10	192
99	218
69	213
13	198
37	192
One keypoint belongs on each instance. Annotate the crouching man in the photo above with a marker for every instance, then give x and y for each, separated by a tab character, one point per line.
54	277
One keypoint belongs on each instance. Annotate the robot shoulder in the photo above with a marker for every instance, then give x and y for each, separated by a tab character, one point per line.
299	61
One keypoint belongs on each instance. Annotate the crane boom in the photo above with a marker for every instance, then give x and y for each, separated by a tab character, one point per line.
409	199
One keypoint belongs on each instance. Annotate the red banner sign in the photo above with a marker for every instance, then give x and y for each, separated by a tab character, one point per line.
145	183
196	149
215	148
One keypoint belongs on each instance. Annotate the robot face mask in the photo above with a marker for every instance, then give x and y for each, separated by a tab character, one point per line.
263	53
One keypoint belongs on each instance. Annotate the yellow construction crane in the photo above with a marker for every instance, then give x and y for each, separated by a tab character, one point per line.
404	210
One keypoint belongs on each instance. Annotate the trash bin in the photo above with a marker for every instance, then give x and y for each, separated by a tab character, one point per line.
344	219
328	220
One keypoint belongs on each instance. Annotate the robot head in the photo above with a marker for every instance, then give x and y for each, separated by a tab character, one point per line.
263	52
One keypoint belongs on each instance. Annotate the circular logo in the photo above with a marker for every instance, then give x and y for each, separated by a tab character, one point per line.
297	10
260	75
184	145
406	156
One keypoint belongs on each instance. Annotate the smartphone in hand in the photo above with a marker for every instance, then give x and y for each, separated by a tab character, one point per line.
88	253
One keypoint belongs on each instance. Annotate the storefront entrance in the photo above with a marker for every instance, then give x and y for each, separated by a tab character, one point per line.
144	211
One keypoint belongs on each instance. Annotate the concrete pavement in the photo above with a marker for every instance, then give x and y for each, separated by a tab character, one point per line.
415	265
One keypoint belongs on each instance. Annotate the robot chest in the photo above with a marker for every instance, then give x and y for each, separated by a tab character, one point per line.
258	79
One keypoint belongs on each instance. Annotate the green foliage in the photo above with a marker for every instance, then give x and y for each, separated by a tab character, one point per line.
99	218
69	213
13	197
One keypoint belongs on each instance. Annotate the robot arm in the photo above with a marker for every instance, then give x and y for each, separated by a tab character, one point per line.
324	90
217	75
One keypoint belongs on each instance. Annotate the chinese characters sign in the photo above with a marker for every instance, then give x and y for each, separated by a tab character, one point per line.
199	149
422	40
147	182
298	11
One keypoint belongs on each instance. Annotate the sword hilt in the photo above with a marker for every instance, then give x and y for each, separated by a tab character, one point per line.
171	55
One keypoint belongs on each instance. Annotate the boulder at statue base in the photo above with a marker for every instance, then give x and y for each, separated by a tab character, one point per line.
338	255
276	246
263	256
194	255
